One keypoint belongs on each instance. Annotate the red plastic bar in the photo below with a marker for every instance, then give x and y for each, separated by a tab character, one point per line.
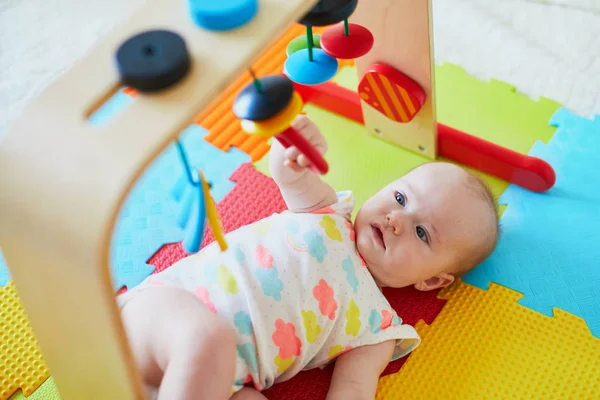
523	170
532	173
291	137
334	98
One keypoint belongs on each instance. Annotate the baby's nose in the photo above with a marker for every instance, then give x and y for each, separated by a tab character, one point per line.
396	221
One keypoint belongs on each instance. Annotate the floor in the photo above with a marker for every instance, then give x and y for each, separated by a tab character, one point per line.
547	48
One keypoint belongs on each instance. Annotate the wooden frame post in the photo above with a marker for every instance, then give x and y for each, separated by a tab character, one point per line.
63	182
403	40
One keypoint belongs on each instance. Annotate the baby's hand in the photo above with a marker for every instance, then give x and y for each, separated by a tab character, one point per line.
293	158
299	180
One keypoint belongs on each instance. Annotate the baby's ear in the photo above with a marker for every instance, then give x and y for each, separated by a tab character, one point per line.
435	282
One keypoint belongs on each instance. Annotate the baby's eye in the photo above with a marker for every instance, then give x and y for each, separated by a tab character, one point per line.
400	199
422	234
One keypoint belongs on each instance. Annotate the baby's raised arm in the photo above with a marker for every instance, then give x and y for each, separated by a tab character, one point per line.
356	373
302	189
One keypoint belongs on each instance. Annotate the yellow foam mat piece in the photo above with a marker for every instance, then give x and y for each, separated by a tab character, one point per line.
21	362
483	345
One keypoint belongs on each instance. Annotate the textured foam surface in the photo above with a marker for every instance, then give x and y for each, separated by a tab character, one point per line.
548	249
4	272
391	161
491	110
244	202
21	362
47	391
483	345
503	22
148	218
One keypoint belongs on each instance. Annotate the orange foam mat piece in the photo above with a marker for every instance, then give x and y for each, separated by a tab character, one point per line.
21	362
218	118
483	345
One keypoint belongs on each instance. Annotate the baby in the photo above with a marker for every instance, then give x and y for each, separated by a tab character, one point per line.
302	289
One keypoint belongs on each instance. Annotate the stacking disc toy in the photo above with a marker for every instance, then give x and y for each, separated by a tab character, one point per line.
347	41
301	42
301	69
276	94
254	101
222	15
153	60
329	12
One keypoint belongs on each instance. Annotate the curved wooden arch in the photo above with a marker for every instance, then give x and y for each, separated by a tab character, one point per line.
63	181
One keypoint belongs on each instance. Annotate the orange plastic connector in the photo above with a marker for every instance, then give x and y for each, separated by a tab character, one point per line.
21	362
483	345
218	118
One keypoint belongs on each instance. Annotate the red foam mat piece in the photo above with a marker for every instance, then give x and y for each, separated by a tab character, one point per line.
256	196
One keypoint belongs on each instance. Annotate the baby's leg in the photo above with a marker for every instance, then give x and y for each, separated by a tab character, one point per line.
179	345
248	393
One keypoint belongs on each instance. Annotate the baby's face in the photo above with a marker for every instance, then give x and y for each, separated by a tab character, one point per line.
415	229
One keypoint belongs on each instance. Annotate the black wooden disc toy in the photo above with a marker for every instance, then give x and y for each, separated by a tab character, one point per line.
153	60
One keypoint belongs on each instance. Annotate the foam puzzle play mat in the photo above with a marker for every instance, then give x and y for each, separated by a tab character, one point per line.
159	146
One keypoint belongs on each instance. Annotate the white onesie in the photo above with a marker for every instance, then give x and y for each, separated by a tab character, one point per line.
295	290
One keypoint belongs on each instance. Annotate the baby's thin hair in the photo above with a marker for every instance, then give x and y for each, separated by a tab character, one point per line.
483	191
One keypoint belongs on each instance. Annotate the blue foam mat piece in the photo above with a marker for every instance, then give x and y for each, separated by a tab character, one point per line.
148	218
115	104
4	272
548	248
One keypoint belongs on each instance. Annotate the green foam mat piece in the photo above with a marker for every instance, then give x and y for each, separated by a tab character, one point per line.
46	391
491	110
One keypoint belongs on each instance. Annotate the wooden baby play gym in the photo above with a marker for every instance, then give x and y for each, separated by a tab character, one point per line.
242	69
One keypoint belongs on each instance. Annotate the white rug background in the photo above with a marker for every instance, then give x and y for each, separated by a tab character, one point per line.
547	48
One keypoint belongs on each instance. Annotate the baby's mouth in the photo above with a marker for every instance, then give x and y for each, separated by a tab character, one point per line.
378	234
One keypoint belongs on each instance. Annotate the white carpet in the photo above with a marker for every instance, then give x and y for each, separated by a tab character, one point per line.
546	48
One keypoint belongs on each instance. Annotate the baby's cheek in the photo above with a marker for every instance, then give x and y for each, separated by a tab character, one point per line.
360	243
398	263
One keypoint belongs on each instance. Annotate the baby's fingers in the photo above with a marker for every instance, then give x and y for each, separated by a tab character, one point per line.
295	160
293	165
311	132
303	161
292	153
